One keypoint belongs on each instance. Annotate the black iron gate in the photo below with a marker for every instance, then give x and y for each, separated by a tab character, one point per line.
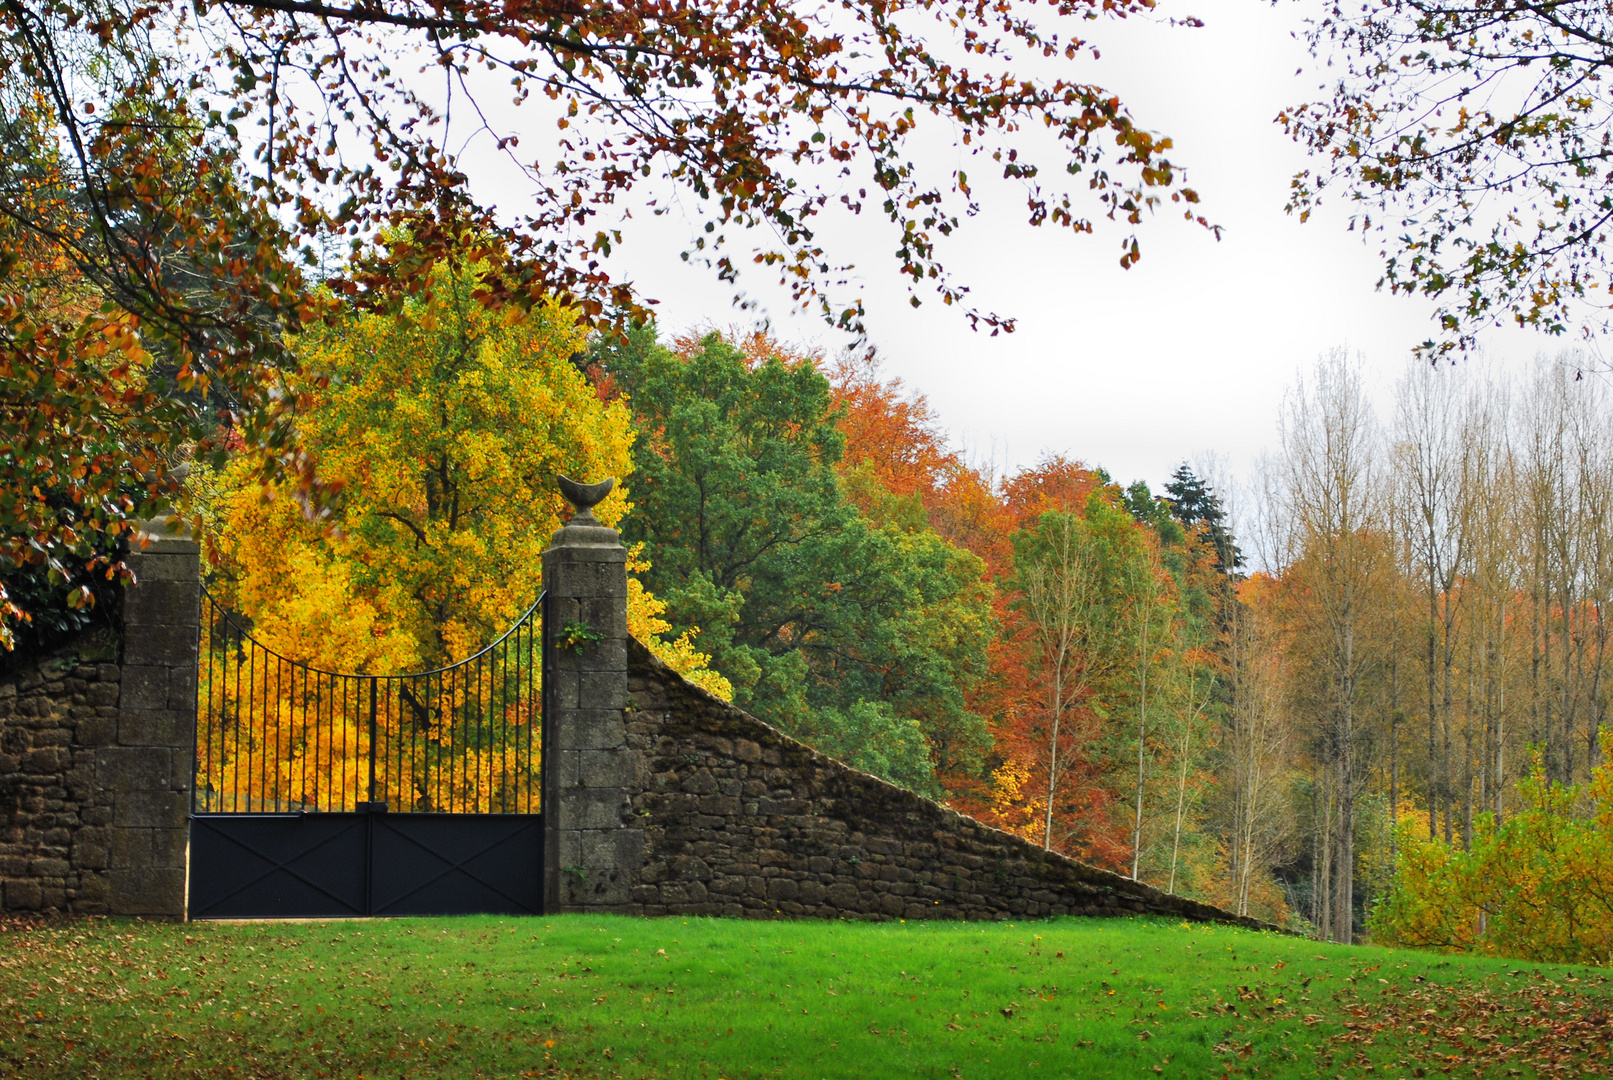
326	794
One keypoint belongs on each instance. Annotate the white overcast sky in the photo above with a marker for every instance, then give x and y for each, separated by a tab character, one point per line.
1187	353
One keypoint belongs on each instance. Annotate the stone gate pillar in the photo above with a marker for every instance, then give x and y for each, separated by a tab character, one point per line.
593	849
147	773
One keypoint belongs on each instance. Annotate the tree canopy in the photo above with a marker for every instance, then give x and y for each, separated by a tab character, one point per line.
1195	504
1473	139
768	113
144	299
190	166
860	636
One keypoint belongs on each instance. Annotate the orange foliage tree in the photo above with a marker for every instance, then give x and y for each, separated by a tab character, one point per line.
898	466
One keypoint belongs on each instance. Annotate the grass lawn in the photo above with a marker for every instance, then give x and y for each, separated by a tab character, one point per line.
584	996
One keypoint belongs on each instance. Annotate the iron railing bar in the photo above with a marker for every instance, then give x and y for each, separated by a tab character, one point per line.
235	658
370	796
545	689
345	755
279	756
495	787
260	741
321	783
456	784
445	743
391	723
302	793
485	674
484	720
534	714
484	695
512	738
251	689
515	737
499	764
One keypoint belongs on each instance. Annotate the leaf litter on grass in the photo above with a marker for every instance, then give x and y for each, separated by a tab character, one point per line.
584	996
1541	1026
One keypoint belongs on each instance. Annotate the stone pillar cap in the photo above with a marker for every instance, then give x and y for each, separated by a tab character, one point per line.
573	535
584	530
162	534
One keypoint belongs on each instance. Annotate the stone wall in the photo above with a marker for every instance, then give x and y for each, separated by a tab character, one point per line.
659	799
55	824
96	758
739	819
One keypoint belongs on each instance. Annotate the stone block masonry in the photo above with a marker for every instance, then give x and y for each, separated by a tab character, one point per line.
593	848
96	756
56	714
739	819
148	771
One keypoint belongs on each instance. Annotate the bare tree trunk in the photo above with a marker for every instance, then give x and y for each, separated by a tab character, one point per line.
1323	902
1344	872
1394	755
1500	731
1598	716
1538	734
1142	729
1447	774
1467	791
1057	586
1433	722
1053	749
1181	794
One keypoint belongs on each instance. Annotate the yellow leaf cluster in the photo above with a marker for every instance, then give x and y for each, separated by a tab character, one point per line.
1538	885
444	428
1018	814
645	622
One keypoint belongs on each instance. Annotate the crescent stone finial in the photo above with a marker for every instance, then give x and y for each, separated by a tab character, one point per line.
585	496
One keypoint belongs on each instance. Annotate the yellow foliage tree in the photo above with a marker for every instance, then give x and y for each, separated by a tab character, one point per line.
1538	886
444	428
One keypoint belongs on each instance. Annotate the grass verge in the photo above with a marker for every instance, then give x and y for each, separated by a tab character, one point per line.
582	996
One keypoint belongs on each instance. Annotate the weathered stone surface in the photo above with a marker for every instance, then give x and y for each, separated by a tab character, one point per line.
167	728
95	756
23	895
54	847
594	768
586	729
180	565
161	644
593	850
145	687
591	808
156	601
739	819
150	809
133	768
147	890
